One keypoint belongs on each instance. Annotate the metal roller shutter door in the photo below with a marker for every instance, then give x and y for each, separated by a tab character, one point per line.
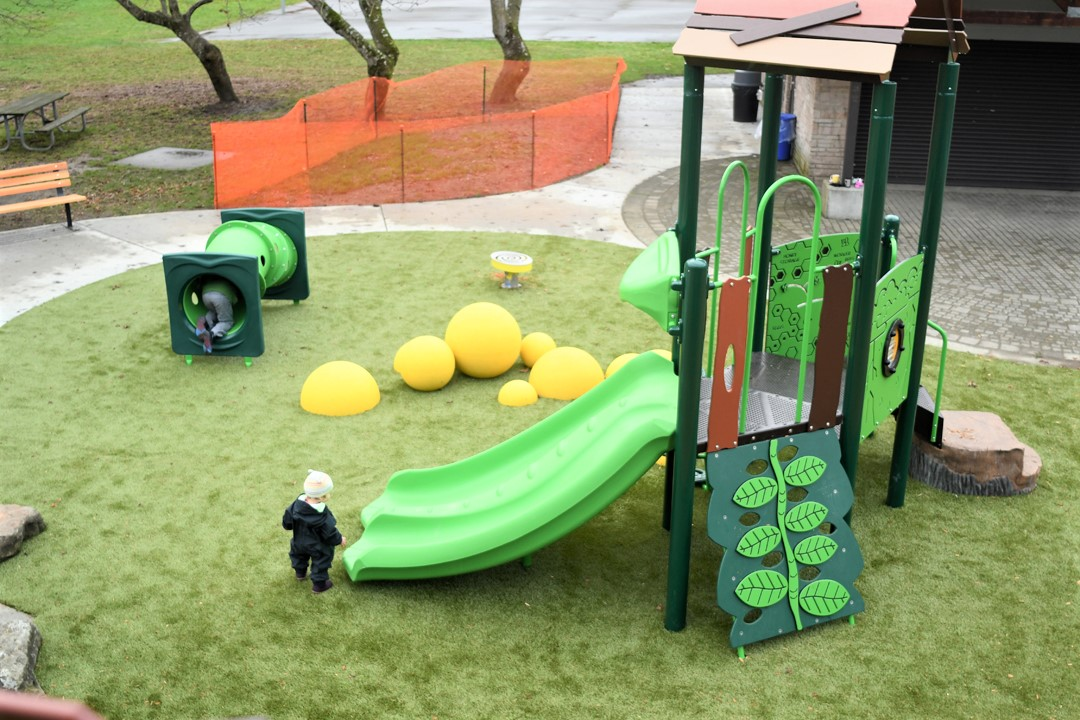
1017	118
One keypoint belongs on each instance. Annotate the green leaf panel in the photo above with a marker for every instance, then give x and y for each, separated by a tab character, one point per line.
806	516
815	550
759	542
823	598
804	471
762	588
755	492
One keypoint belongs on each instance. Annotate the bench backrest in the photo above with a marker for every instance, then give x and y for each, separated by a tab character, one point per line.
51	176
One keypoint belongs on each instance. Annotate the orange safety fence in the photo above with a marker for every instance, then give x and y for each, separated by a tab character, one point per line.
435	137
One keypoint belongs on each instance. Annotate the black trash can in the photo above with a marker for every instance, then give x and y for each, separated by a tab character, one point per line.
745	88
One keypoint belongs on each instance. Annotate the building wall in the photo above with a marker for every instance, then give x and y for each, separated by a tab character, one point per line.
821	109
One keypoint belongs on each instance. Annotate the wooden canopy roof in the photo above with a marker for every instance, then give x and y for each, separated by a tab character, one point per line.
853	40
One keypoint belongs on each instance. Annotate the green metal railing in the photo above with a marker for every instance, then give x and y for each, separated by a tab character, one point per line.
940	376
812	270
744	233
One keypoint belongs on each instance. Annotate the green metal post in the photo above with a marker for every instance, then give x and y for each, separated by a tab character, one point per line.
690	161
689	172
770	140
862	321
929	231
691	334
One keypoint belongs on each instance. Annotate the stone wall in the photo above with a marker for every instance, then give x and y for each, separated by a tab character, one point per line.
821	107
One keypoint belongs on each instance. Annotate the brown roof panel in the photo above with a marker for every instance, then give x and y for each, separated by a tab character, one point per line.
936	38
824	32
879	13
841	59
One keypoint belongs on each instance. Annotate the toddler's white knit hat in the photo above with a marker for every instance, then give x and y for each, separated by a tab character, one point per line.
317	484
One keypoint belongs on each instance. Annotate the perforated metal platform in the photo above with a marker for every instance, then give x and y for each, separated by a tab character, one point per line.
774	385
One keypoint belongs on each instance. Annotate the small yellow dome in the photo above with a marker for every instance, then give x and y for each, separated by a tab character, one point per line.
517	393
425	363
534	345
339	388
565	373
618	362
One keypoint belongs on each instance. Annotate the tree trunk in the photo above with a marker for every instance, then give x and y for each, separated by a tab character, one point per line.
505	15
179	23
212	61
381	52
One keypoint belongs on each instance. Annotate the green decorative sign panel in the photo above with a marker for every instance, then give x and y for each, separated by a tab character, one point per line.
890	364
778	510
787	290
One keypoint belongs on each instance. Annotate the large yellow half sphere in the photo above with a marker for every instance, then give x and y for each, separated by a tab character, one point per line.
339	388
485	339
565	373
534	345
425	363
517	393
618	362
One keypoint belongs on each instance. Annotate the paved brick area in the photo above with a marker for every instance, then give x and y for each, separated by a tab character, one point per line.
1008	269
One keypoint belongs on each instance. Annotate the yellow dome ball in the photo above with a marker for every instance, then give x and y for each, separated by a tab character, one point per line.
517	393
425	363
534	345
565	373
339	388
485	339
618	363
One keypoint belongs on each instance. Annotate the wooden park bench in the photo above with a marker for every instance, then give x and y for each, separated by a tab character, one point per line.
34	180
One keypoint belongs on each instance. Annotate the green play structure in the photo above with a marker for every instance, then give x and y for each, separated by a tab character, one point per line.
255	254
778	373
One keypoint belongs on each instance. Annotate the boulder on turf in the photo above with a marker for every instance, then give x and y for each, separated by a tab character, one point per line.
17	523
19	645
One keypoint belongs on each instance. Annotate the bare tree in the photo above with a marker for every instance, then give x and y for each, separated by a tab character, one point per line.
170	16
380	52
505	16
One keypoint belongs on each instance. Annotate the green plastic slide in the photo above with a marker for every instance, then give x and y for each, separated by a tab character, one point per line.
507	502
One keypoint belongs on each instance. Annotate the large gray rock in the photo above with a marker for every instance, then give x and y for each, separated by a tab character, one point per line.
17	523
19	645
979	455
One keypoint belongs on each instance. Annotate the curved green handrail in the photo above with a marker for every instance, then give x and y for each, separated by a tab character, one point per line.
940	376
715	250
815	246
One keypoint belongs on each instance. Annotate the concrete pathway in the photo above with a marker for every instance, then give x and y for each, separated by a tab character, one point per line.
622	20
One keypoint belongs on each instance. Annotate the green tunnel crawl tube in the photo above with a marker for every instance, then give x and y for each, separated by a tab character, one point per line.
274	249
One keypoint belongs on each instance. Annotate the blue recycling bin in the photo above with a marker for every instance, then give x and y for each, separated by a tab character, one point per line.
787	136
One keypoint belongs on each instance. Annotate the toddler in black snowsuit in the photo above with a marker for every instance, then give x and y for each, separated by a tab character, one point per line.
314	529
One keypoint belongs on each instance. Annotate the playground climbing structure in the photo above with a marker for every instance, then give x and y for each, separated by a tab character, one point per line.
816	341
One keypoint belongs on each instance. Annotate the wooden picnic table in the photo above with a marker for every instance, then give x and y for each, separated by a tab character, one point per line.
40	106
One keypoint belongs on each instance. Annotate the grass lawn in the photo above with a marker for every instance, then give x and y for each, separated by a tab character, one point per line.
146	93
162	586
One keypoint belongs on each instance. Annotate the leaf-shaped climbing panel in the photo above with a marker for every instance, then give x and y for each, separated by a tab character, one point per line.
762	588
815	550
804	471
806	516
755	492
759	541
824	597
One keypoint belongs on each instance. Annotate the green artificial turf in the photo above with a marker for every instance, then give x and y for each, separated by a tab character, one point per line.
162	586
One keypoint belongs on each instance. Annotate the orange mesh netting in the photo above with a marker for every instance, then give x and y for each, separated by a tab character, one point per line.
435	137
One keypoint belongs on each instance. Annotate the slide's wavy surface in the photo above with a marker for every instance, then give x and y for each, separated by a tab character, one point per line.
511	500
